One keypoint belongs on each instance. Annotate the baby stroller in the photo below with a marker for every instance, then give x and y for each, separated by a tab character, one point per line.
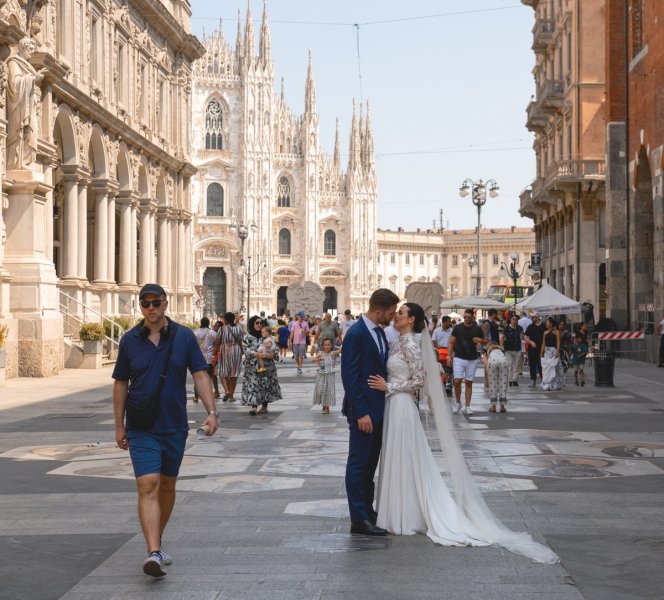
446	375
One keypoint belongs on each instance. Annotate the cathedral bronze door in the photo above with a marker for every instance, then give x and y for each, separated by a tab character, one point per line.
214	279
282	300
330	302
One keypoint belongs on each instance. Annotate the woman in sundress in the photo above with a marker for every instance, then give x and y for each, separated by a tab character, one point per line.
229	347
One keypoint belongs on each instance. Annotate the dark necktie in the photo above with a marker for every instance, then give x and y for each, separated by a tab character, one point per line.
381	340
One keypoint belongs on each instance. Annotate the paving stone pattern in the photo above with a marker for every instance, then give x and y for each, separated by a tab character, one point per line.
261	510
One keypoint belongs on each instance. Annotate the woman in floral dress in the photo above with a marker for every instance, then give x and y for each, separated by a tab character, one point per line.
258	388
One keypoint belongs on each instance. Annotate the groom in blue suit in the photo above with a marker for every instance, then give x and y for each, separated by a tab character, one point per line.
364	353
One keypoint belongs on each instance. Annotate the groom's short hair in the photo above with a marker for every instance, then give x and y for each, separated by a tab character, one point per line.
383	298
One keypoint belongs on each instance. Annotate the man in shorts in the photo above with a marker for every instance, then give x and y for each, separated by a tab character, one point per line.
463	357
156	451
298	339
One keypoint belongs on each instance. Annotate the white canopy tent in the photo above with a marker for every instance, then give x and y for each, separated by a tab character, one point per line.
549	301
479	302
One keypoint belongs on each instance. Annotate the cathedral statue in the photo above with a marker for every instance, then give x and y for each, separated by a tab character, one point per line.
22	99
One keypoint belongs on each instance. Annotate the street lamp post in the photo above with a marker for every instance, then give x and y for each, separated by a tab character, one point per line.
479	190
512	271
242	271
242	230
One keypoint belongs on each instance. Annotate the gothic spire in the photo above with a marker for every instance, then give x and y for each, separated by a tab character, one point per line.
249	42
283	92
354	149
264	43
310	92
337	153
369	142
238	40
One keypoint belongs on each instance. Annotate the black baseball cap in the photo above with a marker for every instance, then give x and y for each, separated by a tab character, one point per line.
151	288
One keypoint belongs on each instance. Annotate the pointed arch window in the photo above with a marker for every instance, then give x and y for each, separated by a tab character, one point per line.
283	192
330	243
285	242
215	200
213	126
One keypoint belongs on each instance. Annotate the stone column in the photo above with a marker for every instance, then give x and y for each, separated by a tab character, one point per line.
101	234
110	269
163	245
183	258
70	235
126	248
189	255
145	250
82	234
133	250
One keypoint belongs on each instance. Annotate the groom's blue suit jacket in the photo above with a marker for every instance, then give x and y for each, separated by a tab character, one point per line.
360	359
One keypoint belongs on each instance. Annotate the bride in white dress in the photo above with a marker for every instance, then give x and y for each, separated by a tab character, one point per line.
412	495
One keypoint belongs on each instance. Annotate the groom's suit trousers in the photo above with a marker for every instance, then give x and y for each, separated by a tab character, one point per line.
364	451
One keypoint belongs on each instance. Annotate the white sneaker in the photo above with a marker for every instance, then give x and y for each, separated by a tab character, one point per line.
154	565
466	410
457	409
165	556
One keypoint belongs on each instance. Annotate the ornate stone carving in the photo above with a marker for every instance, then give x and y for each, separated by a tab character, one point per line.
23	97
217	251
83	134
3	84
307	296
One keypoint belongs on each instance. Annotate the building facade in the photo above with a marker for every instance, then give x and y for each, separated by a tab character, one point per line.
95	98
443	256
635	159
271	208
567	198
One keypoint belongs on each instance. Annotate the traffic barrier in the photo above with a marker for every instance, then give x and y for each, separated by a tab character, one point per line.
621	335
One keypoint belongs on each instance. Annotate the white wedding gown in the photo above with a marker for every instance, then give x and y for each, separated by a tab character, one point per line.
412	495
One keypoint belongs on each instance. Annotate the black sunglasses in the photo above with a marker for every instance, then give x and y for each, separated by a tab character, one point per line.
155	303
258	322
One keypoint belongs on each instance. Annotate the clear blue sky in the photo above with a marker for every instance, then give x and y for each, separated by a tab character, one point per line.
448	82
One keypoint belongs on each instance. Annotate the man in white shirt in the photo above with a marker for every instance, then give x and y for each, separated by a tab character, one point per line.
441	335
346	323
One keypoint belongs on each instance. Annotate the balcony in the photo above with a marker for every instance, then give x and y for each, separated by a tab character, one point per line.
561	172
543	34
550	95
532	3
536	119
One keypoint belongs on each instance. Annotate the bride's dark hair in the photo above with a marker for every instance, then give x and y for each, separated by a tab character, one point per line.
415	310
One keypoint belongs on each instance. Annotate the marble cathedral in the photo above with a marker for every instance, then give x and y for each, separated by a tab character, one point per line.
271	207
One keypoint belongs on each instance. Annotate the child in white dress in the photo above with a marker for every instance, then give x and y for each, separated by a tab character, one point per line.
325	392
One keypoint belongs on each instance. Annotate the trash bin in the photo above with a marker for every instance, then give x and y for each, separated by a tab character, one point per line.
604	362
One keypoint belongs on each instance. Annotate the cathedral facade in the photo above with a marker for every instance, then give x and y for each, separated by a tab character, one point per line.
271	207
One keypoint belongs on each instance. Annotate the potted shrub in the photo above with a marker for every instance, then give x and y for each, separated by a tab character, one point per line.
4	330
92	335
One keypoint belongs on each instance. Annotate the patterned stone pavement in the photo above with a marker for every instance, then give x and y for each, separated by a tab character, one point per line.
261	510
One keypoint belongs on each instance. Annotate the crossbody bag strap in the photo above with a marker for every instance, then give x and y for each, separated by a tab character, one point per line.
169	352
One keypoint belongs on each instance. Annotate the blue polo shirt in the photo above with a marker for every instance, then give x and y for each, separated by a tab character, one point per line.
141	363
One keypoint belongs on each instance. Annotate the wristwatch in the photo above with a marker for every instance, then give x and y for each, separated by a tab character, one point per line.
213	412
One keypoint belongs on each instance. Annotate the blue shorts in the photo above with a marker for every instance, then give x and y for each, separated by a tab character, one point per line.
156	452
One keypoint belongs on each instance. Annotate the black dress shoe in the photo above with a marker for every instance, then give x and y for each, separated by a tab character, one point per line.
366	528
373	517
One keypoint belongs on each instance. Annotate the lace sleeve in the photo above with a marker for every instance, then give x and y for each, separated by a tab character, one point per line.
411	352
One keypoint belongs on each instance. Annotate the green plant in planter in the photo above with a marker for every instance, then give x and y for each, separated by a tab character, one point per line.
93	332
4	330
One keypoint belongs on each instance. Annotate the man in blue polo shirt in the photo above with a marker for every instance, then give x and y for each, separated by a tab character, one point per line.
156	452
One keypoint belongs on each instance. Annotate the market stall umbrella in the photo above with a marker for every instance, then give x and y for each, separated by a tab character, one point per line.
479	302
453	315
549	301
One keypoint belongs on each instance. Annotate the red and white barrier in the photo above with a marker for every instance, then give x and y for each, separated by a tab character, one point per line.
621	335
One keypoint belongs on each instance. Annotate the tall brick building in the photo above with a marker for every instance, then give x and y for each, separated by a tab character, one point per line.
635	138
